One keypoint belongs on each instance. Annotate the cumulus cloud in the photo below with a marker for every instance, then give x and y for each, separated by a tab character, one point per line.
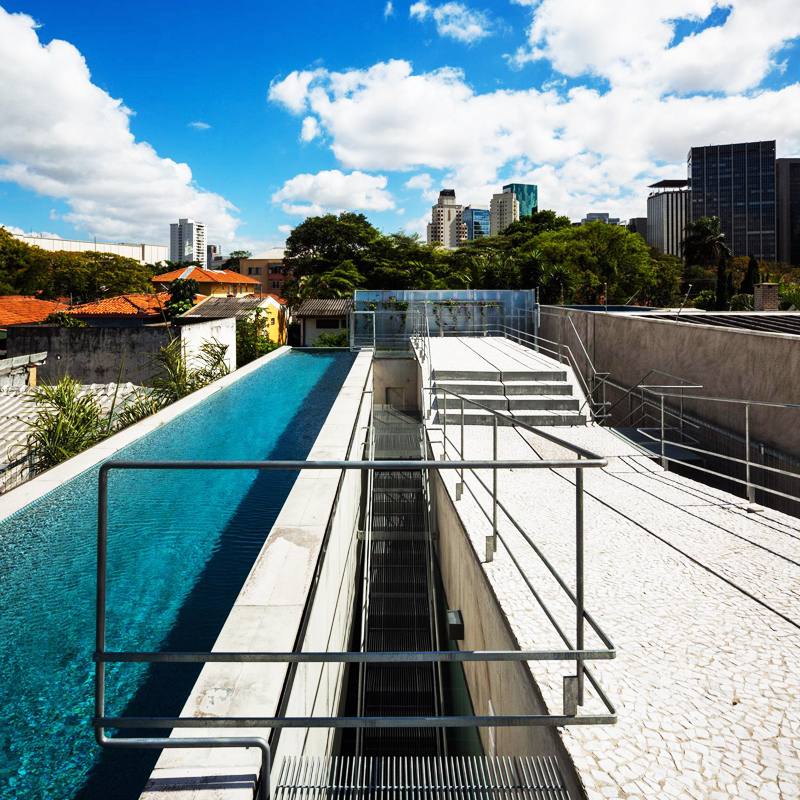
309	129
388	9
584	146
454	20
199	125
422	181
292	90
333	191
637	47
64	137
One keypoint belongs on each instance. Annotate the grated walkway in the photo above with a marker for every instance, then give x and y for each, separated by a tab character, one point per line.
701	599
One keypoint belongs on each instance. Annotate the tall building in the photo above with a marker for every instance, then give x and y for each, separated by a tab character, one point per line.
736	182
447	226
638	225
667	215
477	222
528	196
788	222
599	216
214	257
187	241
503	210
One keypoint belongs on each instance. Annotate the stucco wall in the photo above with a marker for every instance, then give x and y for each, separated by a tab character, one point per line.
97	355
728	363
399	376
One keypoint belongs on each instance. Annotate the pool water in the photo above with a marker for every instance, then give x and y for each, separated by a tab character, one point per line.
180	546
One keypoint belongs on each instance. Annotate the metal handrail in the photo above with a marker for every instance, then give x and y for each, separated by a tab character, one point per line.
641	385
573	694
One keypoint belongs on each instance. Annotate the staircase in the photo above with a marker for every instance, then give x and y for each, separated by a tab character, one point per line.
535	397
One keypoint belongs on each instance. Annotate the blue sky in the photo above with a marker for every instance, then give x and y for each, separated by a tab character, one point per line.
592	100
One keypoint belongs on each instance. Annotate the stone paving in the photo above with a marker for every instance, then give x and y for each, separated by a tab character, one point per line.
701	600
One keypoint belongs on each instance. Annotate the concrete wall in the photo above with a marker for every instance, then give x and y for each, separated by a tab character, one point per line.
96	355
309	332
728	363
495	688
395	383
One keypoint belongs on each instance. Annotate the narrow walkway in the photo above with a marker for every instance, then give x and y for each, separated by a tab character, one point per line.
701	599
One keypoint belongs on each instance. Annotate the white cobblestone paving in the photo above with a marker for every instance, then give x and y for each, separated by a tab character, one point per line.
707	679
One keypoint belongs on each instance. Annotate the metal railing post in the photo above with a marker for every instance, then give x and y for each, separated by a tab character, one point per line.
460	485
100	610
751	490
491	541
579	582
663	434
444	424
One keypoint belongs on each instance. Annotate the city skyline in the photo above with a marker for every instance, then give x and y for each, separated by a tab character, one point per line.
511	93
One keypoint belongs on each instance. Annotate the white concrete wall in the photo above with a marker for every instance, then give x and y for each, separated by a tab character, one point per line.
221	330
143	253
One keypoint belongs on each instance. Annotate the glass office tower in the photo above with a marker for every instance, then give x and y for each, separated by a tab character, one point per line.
477	222
736	182
527	195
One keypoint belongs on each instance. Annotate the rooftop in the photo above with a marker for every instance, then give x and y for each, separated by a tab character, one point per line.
325	308
124	305
24	309
203	276
223	307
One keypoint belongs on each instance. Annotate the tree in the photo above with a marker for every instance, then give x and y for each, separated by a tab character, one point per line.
705	245
233	261
182	293
747	285
252	340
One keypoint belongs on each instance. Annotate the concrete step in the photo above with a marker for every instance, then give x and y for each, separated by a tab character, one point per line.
466	387
541	401
536	387
529	417
465	375
533	375
498	401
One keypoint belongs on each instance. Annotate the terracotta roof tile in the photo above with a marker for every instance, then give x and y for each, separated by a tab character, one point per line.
204	276
22	309
124	305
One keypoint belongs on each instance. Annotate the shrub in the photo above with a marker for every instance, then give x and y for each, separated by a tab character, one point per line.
340	339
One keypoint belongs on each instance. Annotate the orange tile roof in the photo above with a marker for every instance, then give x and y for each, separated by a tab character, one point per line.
124	305
203	276
275	297
21	309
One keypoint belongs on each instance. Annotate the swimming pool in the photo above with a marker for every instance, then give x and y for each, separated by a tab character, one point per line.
180	546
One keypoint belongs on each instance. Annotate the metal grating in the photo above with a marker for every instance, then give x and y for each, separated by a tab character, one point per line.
422	778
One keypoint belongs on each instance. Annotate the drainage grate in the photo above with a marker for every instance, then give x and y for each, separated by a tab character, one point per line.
422	778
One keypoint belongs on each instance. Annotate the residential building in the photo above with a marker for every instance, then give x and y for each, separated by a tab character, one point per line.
272	310
447	227
187	242
477	222
788	222
123	310
667	215
317	317
527	195
599	216
214	257
26	310
143	253
211	281
638	225
736	182
503	210
269	272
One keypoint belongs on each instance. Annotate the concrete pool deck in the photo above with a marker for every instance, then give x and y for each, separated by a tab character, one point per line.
267	616
701	600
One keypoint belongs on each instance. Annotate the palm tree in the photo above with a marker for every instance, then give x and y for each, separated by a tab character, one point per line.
705	245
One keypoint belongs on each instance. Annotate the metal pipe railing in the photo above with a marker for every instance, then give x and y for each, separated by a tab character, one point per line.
102	656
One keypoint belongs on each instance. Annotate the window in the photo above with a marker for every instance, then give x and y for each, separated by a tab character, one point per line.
327	323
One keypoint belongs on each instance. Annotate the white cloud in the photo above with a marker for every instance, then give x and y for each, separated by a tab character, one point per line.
64	137
20	232
422	181
635	47
585	147
292	90
199	125
388	9
310	129
287	229
454	20
332	190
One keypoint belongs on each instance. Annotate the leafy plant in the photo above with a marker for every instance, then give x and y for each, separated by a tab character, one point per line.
137	406
65	424
176	377
252	341
340	339
181	297
64	320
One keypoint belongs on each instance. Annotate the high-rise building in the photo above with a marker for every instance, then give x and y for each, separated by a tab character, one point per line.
638	225
667	215
528	196
214	257
599	216
187	241
503	210
736	182
447	226
788	222
477	222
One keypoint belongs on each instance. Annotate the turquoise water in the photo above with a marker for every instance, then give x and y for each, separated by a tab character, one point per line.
180	546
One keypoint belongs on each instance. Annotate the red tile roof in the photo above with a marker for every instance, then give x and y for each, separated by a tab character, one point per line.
22	309
124	305
204	276
275	297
